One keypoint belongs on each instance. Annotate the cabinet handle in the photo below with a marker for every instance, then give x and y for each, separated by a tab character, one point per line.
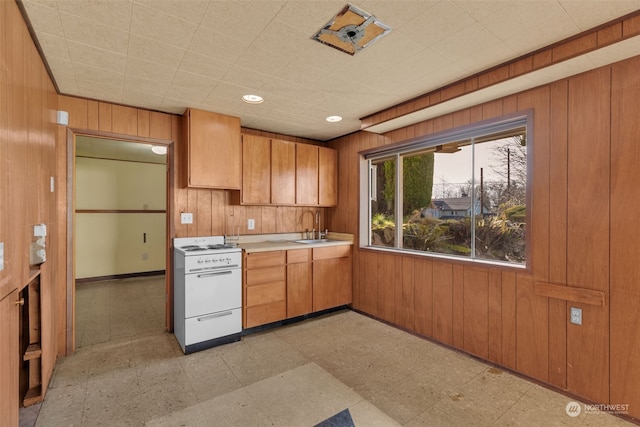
19	302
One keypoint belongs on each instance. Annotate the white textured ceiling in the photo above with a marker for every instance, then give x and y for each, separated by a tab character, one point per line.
167	55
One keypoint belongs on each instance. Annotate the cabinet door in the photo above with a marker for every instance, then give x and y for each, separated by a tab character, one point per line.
306	174
213	150
256	169
331	283
299	293
283	172
9	360
327	176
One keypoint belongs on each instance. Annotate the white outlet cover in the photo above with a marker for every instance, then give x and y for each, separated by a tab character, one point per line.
1	256
576	316
251	224
186	218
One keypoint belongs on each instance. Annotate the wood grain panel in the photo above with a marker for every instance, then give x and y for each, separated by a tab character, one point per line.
443	302
124	120
266	293
256	276
295	256
306	174
494	321
269	214
385	290
202	212
588	180
104	116
143	123
368	282
423	297
160	126
532	326
476	312
458	305
267	313
265	259
625	274
283	172
77	109
509	306
93	115
9	360
405	298
341	251
299	287
327	177
571	293
256	170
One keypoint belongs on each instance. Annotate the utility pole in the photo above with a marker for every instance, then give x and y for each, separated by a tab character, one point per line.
508	168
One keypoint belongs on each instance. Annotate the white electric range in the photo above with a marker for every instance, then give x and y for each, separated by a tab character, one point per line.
207	295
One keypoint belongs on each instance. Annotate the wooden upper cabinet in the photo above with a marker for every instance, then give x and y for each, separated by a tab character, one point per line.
327	177
256	170
213	150
283	172
306	174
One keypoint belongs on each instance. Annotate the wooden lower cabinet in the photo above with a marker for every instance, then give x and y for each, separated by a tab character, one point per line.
264	288
9	360
332	283
299	290
281	285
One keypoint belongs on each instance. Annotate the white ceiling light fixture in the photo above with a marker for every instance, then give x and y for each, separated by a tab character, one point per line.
159	149
334	119
352	30
253	99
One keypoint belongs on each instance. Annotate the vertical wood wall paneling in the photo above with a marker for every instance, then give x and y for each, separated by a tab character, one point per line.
588	230
104	117
494	320
92	115
386	284
509	303
423	301
443	302
558	233
124	120
457	305
625	252
532	310
405	300
369	282
476	312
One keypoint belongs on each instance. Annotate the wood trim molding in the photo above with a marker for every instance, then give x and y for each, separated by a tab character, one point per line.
84	211
570	293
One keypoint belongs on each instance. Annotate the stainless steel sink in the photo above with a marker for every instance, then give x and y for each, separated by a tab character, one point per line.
312	241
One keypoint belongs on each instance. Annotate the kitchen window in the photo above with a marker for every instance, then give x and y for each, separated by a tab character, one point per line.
460	194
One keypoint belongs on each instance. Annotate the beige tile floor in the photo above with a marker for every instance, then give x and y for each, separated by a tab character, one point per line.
128	372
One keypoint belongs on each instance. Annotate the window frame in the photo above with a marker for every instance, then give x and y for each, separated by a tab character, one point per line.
475	132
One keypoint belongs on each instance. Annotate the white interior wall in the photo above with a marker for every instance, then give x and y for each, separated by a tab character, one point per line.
113	243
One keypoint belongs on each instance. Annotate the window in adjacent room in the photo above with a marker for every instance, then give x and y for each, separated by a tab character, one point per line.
460	194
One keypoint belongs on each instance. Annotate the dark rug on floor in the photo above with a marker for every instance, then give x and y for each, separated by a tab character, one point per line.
341	419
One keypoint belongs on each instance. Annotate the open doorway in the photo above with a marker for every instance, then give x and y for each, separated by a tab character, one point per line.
119	200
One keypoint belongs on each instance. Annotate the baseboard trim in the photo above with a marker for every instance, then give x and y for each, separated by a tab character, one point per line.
120	276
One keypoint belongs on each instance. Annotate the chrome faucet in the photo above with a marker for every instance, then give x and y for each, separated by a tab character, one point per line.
321	235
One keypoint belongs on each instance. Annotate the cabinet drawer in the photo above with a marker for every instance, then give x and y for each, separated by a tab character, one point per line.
265	259
265	275
298	255
266	313
266	293
341	251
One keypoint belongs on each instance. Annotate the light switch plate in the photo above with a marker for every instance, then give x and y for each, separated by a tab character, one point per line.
251	224
1	256
576	316
186	218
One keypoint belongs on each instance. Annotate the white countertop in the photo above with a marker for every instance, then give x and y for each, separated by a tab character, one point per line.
283	242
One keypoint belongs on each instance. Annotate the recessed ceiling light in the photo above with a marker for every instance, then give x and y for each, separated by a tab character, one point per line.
159	149
334	119
252	99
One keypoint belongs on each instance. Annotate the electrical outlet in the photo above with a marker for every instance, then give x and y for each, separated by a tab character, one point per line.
1	256
251	224
576	316
186	218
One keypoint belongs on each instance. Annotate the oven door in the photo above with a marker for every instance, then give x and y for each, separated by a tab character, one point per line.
213	291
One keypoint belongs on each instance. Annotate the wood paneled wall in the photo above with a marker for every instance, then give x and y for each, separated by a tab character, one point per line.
28	104
584	219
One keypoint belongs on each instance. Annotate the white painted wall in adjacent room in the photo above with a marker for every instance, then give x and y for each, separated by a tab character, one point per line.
113	243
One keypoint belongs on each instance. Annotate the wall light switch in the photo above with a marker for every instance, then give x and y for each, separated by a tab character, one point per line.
1	256
251	224
52	184
186	218
576	316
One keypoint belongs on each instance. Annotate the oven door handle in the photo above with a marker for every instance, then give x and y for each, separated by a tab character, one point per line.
217	273
215	316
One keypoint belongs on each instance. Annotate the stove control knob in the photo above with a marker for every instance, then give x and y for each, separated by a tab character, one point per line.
228	260
208	261
200	261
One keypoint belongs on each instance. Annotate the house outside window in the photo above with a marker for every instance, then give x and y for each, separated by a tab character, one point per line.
460	194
